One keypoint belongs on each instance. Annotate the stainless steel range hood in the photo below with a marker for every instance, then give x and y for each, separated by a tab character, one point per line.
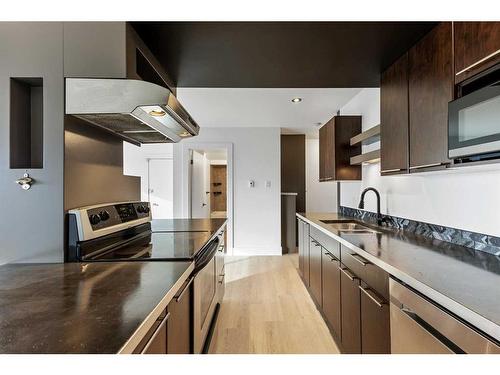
138	111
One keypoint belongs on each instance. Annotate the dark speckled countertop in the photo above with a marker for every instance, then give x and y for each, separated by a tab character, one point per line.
463	280
83	308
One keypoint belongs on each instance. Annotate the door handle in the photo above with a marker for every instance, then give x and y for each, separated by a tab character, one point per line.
179	295
348	273
427	165
157	331
332	258
155	204
359	259
392	170
479	62
371	295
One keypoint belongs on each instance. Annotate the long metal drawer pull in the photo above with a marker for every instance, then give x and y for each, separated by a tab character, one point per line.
359	259
179	296
157	331
348	273
484	59
431	331
393	170
370	294
427	165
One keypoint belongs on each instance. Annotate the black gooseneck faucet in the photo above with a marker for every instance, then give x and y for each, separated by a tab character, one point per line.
380	219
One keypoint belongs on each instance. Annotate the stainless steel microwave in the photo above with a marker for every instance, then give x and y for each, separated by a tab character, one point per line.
474	123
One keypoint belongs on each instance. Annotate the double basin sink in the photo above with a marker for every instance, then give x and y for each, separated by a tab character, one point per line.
351	227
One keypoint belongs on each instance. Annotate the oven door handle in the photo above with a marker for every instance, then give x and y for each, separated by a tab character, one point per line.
206	256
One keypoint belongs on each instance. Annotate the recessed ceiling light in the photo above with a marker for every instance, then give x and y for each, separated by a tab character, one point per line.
296	100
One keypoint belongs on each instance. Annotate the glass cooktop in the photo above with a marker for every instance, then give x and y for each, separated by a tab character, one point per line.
160	246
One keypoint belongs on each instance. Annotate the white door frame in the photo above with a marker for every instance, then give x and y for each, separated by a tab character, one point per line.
186	188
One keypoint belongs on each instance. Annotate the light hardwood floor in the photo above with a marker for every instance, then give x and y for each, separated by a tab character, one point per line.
266	309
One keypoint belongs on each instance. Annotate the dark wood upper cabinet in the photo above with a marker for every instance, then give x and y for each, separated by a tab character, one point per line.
394	147
431	86
477	47
335	151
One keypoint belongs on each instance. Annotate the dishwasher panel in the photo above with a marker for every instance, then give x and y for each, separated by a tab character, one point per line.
418	325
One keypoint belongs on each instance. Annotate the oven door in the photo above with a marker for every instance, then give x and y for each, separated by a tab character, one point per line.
205	303
474	123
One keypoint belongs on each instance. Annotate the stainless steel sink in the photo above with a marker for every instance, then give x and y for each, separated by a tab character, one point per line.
349	227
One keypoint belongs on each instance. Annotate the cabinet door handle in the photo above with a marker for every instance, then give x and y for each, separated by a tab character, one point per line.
332	257
348	273
179	295
316	243
392	170
427	165
157	331
358	258
371	294
479	62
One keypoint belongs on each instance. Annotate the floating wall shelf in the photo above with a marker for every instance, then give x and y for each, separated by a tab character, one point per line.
367	137
369	157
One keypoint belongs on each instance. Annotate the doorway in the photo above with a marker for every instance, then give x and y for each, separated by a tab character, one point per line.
208	176
218	190
203	164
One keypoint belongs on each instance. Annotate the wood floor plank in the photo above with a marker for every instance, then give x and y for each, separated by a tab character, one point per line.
267	309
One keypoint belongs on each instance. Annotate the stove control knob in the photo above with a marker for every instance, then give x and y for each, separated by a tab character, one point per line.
94	219
140	208
104	215
146	209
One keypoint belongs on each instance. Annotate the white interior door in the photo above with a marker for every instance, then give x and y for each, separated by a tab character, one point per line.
199	197
161	188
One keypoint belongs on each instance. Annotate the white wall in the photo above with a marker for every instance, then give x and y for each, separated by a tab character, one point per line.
257	211
135	161
320	196
465	198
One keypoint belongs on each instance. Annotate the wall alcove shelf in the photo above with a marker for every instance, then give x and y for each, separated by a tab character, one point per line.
367	137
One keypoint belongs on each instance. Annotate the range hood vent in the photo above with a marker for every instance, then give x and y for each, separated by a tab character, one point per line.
137	111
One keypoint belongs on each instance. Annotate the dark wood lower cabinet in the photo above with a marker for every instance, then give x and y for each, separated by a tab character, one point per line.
300	233
179	323
351	292
351	312
315	251
375	322
331	292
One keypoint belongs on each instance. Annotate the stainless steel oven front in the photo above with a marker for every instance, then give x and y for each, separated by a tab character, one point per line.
474	124
207	294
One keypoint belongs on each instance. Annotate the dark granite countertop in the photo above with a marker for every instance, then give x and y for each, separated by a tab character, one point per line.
187	225
463	280
83	308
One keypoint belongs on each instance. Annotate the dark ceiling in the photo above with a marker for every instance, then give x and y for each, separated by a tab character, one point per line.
279	54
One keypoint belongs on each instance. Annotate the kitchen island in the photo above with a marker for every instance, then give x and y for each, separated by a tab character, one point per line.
84	308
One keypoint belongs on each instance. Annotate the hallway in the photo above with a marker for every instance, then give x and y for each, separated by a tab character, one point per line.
266	309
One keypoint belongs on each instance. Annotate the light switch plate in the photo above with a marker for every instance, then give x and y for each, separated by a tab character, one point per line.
268	184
